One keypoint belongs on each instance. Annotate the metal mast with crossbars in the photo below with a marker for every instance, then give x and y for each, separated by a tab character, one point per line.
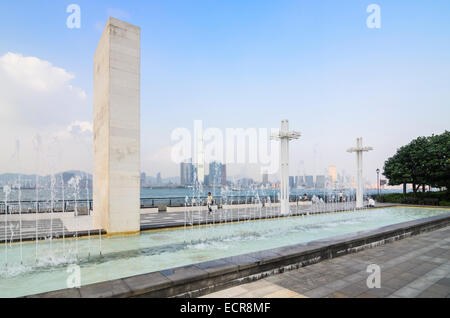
359	149
285	136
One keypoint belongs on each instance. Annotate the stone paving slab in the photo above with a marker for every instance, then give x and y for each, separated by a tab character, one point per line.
418	266
258	289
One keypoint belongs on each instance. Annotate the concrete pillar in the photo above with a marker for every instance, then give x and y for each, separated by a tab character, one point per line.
116	185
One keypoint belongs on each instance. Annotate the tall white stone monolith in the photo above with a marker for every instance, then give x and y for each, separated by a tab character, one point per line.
116	185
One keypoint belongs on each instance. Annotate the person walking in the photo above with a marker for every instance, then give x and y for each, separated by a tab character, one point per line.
210	202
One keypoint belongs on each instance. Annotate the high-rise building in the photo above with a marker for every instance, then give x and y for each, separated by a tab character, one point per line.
143	179
309	180
265	178
320	182
200	159
332	175
201	172
340	178
187	173
291	182
224	175
299	181
158	178
217	174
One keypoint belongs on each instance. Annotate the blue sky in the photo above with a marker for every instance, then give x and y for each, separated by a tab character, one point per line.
252	63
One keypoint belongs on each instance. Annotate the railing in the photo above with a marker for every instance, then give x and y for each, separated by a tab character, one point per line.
84	206
46	206
181	201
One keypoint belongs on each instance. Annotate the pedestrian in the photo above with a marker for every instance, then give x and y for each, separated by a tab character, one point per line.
210	202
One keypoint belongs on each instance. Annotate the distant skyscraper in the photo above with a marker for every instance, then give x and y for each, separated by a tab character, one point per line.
187	173
339	180
200	159
299	181
224	175
201	172
158	178
309	180
291	182
217	174
265	178
320	182
332	175
143	179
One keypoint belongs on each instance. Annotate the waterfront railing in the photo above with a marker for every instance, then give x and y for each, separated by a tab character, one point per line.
83	206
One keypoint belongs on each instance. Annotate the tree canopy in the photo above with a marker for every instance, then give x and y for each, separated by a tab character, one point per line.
424	161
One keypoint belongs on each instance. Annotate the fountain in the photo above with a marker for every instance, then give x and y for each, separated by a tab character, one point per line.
63	212
7	192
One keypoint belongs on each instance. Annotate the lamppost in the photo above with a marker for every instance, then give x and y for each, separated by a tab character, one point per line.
378	181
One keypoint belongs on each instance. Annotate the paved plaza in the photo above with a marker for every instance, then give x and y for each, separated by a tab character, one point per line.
236	214
418	266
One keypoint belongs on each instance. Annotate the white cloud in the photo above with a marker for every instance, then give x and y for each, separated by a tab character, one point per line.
35	92
38	99
33	73
78	130
80	127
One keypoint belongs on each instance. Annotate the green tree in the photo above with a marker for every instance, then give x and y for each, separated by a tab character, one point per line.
439	161
395	169
424	161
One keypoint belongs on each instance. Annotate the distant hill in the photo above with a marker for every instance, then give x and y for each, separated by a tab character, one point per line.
30	179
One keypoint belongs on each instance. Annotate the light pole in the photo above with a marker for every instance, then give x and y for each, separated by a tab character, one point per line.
378	181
